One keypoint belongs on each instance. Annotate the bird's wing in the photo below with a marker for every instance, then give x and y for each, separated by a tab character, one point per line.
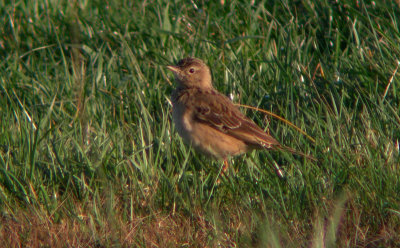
217	111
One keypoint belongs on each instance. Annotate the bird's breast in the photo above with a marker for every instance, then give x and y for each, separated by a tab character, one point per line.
182	117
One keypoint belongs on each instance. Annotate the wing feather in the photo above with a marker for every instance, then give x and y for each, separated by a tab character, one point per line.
219	112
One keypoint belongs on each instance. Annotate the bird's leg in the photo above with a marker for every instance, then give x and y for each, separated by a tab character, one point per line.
225	166
223	170
278	170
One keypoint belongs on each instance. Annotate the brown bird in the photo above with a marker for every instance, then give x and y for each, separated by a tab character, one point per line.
208	120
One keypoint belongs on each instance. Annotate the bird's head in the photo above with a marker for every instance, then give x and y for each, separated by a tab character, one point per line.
192	72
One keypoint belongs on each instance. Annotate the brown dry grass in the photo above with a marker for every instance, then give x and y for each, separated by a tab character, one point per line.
154	230
229	226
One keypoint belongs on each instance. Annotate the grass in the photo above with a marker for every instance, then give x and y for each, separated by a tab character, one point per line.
89	156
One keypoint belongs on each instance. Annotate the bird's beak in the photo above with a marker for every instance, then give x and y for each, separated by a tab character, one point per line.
173	68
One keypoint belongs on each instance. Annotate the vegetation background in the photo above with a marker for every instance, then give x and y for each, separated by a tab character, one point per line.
89	156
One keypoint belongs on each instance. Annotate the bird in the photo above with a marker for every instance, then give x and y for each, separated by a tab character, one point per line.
209	121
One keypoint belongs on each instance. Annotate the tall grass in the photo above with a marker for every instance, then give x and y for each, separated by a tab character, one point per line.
89	156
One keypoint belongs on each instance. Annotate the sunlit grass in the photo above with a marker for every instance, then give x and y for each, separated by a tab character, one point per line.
89	156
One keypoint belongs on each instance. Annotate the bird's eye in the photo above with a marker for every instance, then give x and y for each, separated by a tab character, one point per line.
191	70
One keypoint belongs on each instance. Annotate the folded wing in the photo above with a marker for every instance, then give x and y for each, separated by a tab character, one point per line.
220	113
